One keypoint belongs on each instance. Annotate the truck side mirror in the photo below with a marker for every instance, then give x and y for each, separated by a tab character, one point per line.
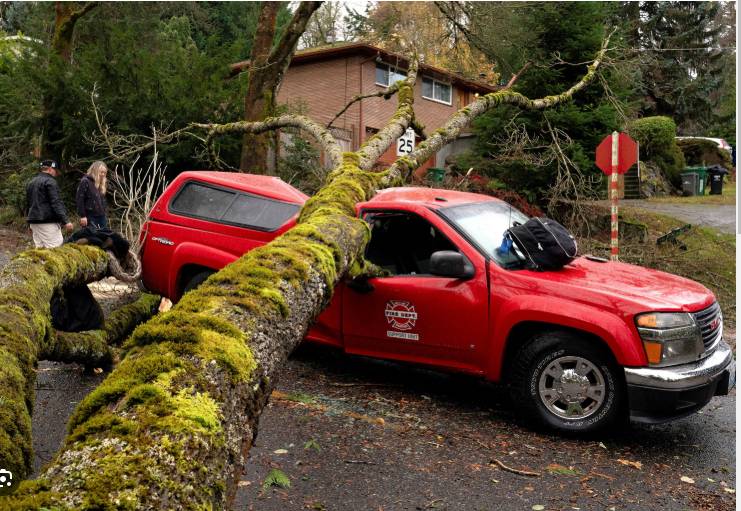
449	263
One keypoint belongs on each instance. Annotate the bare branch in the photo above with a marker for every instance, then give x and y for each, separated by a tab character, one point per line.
385	94
517	76
375	146
319	132
401	169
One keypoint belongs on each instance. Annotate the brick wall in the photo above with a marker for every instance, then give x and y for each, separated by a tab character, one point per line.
377	111
325	88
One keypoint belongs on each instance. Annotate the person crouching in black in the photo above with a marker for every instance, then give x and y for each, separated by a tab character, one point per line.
91	203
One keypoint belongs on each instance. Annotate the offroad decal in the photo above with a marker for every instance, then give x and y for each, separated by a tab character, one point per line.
401	316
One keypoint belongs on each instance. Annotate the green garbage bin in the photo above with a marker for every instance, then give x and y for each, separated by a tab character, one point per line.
702	178
436	174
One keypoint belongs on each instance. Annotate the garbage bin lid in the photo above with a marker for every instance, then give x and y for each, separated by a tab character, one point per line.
717	169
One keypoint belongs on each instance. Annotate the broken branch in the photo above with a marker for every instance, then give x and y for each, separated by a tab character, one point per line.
385	94
402	168
515	470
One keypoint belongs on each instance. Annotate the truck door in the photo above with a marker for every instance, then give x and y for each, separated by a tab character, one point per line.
410	314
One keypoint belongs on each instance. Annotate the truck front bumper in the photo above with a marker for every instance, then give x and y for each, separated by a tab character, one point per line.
663	394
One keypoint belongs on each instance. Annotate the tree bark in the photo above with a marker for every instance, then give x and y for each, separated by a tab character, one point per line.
27	284
94	348
267	68
173	423
67	14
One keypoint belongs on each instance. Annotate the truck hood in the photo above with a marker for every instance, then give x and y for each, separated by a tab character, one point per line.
613	283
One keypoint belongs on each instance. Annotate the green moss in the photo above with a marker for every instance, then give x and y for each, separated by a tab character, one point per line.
195	409
29	281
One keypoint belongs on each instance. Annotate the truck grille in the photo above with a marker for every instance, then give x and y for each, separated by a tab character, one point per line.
710	321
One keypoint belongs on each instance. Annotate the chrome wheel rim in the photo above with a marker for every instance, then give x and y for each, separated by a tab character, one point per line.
572	387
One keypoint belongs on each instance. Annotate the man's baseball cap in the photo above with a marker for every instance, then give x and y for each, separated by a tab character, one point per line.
50	164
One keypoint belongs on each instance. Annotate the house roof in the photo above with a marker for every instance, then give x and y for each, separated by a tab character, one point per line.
343	49
354	48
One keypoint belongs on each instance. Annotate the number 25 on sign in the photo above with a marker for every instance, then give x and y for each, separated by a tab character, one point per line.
405	143
615	155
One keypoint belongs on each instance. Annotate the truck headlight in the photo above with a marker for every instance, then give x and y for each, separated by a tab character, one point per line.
670	338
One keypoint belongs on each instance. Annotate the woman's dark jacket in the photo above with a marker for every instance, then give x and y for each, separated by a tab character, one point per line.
90	202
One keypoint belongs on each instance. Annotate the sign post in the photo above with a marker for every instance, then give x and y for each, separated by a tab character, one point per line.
614	225
615	155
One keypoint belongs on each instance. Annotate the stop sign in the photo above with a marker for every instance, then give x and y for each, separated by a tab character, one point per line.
627	154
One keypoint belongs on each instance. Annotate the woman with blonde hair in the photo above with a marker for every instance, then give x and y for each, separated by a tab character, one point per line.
91	203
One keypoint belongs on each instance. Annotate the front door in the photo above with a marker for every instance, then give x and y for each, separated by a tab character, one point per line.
411	314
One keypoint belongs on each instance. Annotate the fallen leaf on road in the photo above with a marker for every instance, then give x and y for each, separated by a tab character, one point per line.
312	444
244	483
280	451
686	479
555	468
634	464
729	490
538	507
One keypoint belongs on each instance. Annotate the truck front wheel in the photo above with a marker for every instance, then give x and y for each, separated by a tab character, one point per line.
567	383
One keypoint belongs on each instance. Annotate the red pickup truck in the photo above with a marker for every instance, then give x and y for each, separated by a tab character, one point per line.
581	347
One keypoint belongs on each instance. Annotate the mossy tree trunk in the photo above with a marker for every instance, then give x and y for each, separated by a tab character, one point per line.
173	423
27	284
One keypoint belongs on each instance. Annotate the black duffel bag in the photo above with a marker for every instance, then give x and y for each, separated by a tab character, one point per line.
546	244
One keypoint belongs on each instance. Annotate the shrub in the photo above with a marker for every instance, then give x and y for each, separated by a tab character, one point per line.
13	188
699	151
656	136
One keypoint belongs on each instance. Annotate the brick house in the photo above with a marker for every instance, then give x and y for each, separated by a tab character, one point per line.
321	81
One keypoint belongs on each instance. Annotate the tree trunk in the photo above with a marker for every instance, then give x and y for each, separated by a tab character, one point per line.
267	67
173	423
66	16
27	284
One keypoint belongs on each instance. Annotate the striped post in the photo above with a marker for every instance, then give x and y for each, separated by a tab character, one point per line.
614	199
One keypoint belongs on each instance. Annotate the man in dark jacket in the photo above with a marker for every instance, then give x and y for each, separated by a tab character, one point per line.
46	212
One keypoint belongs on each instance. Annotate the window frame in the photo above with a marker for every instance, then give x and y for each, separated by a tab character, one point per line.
390	70
237	193
434	81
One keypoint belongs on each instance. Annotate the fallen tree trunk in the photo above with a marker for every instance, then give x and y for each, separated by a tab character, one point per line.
95	347
171	426
27	284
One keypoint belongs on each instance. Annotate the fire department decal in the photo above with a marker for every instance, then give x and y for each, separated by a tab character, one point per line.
401	316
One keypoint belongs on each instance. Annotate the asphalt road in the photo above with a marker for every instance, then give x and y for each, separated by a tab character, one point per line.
357	434
717	216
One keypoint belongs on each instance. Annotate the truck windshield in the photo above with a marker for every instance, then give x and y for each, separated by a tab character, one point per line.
484	224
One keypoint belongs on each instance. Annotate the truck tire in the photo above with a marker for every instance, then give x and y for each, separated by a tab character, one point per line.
567	383
197	279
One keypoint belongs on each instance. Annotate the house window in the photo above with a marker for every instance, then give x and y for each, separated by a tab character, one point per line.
436	91
387	75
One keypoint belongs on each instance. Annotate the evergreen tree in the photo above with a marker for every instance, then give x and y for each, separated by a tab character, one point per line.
563	36
682	67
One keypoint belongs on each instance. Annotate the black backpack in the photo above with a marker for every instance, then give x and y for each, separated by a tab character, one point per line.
547	244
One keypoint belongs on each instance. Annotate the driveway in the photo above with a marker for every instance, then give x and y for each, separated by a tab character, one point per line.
717	216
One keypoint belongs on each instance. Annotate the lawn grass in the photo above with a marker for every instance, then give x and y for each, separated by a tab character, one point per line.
709	258
728	197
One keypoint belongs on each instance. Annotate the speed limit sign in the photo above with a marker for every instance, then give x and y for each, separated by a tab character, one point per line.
405	143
